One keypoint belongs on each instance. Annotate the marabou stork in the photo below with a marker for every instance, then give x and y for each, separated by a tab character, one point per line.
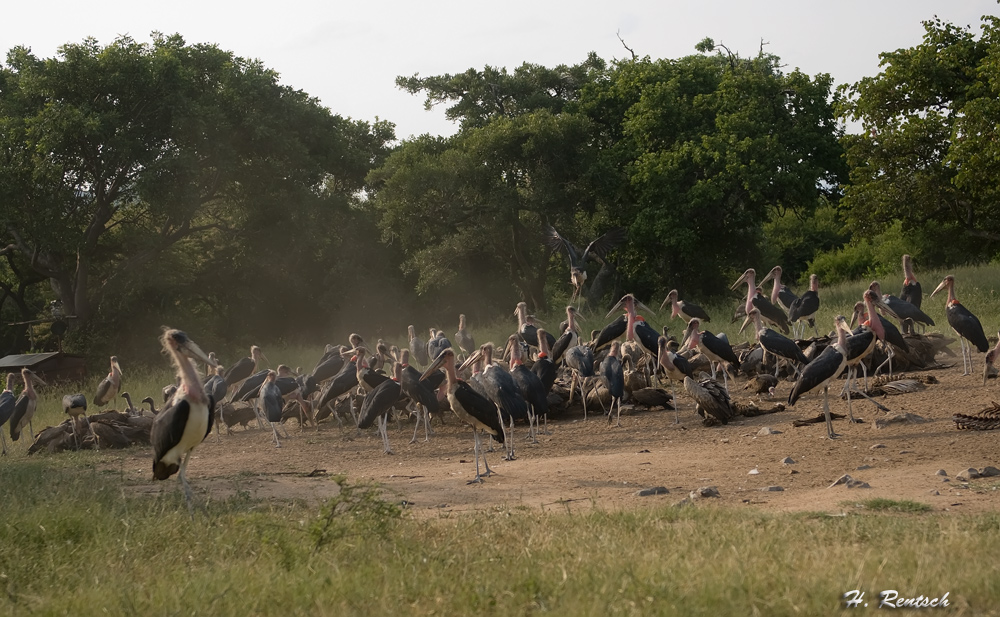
341	383
822	370
636	328
991	358
420	392
216	387
963	322
501	389
613	377
676	367
269	401
436	343
911	291
713	347
418	348
532	389
108	389
684	310
888	333
544	366
755	298
463	339
805	308
600	248
529	331
781	295
862	341
245	367
179	428
6	407
378	405
774	343
570	337
905	312
25	405
468	405
580	360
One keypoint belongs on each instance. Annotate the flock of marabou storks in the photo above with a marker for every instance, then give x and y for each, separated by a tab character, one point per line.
490	388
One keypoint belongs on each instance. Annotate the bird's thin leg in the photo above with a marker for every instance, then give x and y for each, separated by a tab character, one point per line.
864	370
383	428
583	396
850	410
488	472
31	430
3	440
257	412
572	388
479	477
815	329
274	431
725	377
673	399
508	437
826	413
416	425
532	424
619	419
97	446
712	364
182	475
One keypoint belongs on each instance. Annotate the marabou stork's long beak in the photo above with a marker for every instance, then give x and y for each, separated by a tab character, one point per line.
616	307
471	360
193	351
435	365
742	279
645	308
768	276
665	302
855	315
691	327
941	286
745	323
879	303
35	379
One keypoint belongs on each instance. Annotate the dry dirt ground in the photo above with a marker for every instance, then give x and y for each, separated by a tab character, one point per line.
584	464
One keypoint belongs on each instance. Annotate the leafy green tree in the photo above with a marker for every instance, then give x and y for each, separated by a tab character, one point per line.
710	147
118	163
928	155
473	207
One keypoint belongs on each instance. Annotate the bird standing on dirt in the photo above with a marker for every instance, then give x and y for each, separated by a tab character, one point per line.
25	406
179	428
108	389
964	323
822	370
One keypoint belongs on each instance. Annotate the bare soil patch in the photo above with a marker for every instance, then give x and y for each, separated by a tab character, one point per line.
586	464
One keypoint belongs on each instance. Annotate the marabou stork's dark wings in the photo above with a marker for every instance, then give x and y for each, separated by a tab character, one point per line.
600	247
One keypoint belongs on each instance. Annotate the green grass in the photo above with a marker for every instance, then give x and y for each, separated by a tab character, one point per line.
880	504
76	541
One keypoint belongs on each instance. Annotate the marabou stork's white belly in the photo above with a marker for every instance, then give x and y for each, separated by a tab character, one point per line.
194	433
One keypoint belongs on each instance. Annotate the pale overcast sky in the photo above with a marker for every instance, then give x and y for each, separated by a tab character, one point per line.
348	54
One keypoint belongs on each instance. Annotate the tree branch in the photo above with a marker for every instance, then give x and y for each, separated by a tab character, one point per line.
618	34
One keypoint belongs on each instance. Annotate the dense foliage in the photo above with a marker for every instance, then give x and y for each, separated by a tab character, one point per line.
928	156
143	183
147	181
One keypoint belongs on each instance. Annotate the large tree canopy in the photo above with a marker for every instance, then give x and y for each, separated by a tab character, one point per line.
710	147
928	155
111	156
690	155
